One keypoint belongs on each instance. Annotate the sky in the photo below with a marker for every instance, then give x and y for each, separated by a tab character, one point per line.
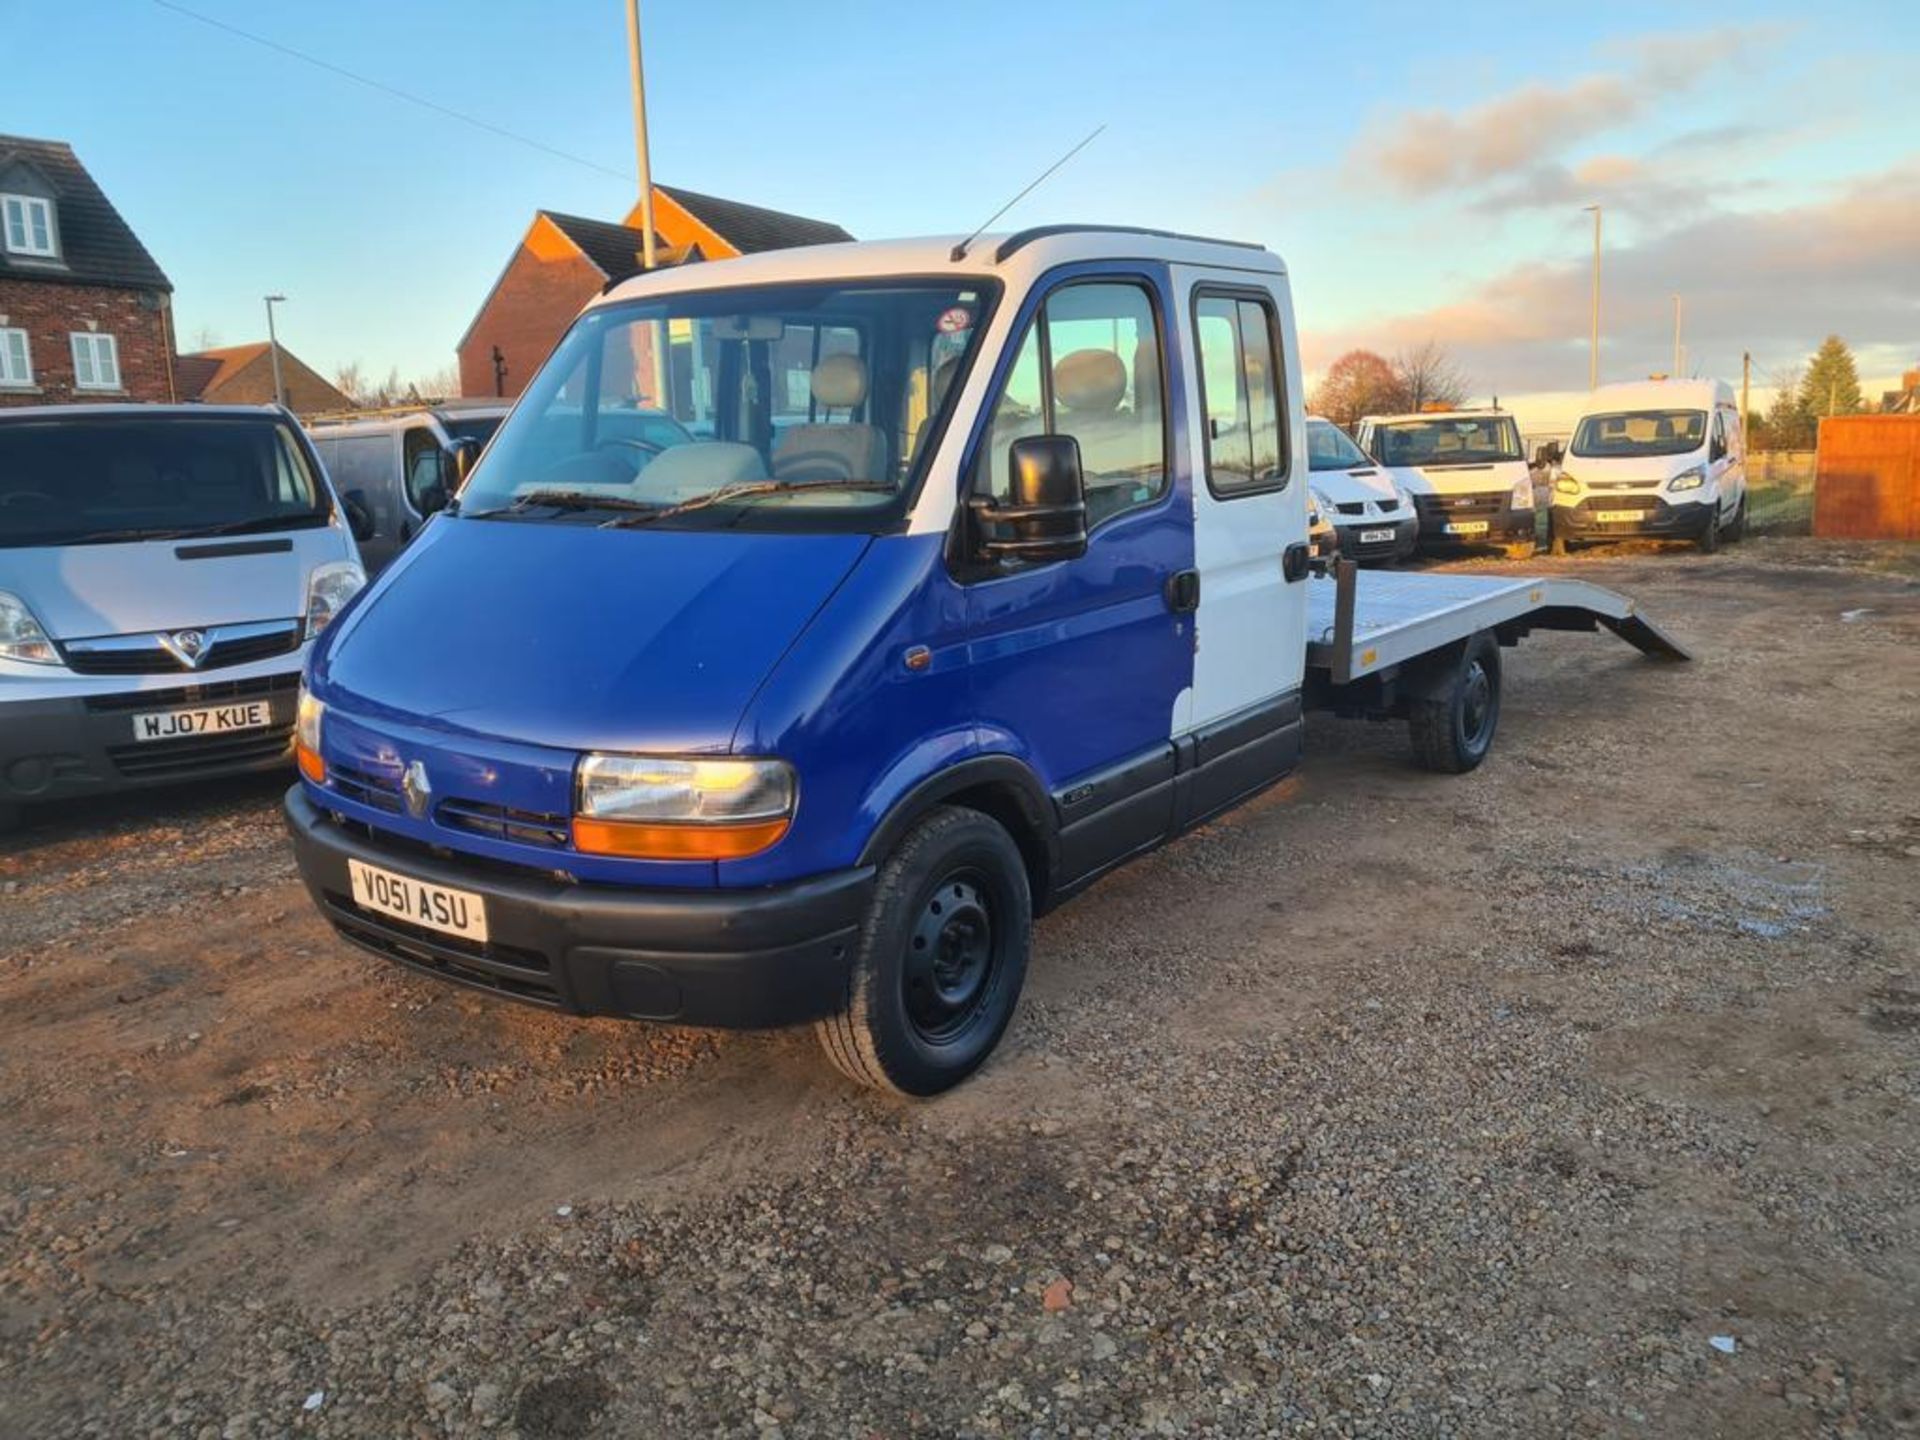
1422	170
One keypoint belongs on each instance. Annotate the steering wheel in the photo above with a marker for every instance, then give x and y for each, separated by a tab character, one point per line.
632	442
15	497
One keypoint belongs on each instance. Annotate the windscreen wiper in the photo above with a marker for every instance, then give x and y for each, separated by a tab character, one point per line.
567	500
747	490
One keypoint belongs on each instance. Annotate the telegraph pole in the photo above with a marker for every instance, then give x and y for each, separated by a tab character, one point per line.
1746	380
640	134
1593	342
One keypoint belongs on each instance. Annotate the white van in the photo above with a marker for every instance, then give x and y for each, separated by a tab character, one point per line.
163	572
397	467
1659	458
1466	473
1372	516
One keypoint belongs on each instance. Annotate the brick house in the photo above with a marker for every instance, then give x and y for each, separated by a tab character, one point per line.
243	375
565	260
85	313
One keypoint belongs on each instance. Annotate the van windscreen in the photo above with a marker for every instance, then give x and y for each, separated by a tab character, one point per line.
807	405
1449	440
100	479
1634	433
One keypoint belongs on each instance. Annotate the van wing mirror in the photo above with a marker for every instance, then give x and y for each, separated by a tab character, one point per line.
359	518
1045	514
461	455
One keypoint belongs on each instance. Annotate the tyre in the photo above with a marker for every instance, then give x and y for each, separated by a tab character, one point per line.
1556	538
1453	732
1737	527
1709	540
940	958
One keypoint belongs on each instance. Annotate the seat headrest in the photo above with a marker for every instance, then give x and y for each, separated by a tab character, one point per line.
1090	381
840	381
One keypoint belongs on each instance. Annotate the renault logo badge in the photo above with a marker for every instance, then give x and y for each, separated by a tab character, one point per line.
189	647
417	789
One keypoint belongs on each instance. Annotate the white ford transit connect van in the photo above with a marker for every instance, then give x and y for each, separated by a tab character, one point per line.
162	572
1660	458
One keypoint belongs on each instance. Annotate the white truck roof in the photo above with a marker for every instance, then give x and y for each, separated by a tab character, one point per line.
1658	395
1019	256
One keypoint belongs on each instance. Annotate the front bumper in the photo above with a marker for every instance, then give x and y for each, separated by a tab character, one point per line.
1449	522
737	959
57	749
1405	535
1654	517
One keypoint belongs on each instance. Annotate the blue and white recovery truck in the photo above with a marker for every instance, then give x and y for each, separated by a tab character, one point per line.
983	568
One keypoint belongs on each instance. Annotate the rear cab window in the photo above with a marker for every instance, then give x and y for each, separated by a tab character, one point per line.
1236	340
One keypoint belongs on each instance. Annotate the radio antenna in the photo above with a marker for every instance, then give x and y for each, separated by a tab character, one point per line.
960	251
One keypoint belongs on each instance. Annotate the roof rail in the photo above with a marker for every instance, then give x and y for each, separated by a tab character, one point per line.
1022	238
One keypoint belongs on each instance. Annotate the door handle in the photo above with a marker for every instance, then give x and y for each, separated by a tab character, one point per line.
1183	592
1296	561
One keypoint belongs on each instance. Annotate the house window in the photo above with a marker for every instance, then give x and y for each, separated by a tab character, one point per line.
16	362
29	224
96	362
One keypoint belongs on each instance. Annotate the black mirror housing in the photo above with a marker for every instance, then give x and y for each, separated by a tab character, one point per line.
462	454
1045	515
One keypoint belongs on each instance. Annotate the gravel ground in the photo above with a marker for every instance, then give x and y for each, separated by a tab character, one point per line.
1574	1097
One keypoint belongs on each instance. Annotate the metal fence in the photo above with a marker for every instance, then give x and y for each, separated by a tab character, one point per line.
1780	491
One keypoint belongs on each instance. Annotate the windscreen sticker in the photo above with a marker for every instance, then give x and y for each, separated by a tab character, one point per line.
953	320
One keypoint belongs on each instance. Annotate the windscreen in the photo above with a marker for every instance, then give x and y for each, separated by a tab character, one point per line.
103	479
1450	440
770	406
1330	448
1634	433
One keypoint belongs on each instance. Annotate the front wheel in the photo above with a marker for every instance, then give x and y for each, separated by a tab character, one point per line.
1453	731
1737	527
1709	540
940	960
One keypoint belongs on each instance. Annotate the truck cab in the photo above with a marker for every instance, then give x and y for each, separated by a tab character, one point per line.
1466	473
973	570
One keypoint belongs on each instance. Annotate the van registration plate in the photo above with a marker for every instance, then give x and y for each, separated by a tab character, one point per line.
214	720
1617	517
437	907
1372	537
1466	527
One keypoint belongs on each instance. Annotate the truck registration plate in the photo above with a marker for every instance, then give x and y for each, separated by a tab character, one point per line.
1617	517
214	720
1466	527
438	907
1371	537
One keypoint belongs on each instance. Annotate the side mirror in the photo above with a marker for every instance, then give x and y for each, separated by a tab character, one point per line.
359	518
462	454
1045	515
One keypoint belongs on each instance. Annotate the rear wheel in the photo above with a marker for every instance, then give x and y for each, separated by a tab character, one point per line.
1453	731
941	958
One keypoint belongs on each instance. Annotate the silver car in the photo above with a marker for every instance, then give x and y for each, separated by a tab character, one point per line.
163	570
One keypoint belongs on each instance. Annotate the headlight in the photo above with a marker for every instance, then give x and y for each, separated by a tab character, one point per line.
1326	506
1691	479
21	637
654	808
1522	498
1566	485
329	588
306	738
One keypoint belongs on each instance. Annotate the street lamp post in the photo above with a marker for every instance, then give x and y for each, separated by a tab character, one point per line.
273	347
1593	339
1679	350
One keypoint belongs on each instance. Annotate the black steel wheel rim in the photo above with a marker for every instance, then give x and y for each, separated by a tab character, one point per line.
1476	704
953	956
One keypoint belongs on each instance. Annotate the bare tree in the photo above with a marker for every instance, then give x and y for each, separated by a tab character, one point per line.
350	382
441	384
1427	375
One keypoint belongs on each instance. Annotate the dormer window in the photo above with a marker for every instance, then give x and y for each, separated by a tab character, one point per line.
26	222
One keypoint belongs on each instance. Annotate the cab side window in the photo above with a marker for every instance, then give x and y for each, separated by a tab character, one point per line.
1717	450
1089	367
1240	394
423	468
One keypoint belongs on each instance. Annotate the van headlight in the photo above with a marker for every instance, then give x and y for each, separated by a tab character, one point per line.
1325	505
648	807
1522	497
329	588
306	737
1690	479
1566	485
21	637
